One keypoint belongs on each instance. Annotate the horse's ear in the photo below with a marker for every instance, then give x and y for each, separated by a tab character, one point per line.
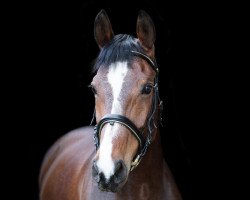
145	30
102	29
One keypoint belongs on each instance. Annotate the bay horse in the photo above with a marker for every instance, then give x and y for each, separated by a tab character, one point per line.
124	160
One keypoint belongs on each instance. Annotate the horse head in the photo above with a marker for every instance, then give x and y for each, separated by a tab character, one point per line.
125	87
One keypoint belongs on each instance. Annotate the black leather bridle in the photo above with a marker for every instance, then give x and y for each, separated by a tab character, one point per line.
138	133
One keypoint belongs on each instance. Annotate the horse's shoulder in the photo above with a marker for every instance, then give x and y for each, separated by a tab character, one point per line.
170	188
69	142
84	134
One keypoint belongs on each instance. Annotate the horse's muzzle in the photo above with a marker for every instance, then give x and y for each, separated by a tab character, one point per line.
115	181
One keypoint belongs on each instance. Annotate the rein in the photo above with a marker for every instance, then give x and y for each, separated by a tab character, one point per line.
115	118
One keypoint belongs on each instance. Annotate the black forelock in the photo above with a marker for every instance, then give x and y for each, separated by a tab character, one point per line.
117	50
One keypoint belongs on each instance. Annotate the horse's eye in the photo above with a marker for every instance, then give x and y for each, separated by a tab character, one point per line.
147	89
93	89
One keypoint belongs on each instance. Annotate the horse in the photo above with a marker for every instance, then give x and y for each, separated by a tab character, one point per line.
121	156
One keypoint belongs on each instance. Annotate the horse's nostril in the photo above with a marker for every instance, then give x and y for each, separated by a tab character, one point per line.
118	166
120	171
95	172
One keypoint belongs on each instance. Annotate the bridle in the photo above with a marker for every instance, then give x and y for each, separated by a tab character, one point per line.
115	118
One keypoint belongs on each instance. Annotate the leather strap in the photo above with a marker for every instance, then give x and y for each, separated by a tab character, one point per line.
114	118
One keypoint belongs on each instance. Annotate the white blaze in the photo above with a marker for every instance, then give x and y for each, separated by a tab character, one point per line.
116	75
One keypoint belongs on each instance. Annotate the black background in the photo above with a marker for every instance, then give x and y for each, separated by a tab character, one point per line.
188	44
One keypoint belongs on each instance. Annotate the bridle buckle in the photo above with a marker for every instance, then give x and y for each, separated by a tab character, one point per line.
135	163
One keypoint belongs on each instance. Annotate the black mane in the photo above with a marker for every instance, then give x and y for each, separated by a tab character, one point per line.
118	49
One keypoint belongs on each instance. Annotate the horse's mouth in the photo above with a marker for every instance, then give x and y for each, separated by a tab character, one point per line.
114	190
111	187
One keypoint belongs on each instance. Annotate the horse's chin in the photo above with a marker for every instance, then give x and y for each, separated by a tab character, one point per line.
112	188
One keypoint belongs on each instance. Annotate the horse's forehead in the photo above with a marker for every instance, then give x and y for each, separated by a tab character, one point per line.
134	70
116	77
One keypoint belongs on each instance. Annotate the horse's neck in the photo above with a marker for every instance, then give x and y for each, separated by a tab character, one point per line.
152	162
152	178
148	178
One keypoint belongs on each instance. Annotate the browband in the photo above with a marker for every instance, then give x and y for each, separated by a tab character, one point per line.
149	60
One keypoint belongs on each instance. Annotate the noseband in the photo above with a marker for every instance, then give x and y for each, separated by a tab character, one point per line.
138	133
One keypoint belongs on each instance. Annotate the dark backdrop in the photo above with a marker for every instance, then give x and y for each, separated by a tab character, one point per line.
62	51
